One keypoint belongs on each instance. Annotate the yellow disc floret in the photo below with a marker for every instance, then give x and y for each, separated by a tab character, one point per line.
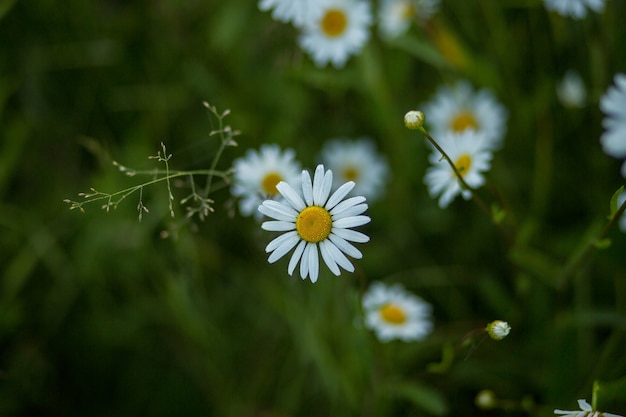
393	314
463	164
314	224
334	22
269	183
463	120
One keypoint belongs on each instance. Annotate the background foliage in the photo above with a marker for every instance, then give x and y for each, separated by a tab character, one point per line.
101	316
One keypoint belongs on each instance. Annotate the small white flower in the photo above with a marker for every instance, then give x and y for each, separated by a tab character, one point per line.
457	108
576	9
394	313
613	105
395	16
295	11
585	411
470	156
257	174
498	329
340	30
356	161
571	90
314	220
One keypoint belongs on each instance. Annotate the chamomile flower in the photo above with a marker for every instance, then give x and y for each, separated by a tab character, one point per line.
257	174
340	30
470	156
295	11
458	108
395	16
571	90
576	9
585	411
313	221
356	161
613	105
394	313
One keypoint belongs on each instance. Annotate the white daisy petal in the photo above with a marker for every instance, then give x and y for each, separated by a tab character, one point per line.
290	195
346	204
345	247
576	9
328	257
613	105
339	195
352	211
340	258
296	256
304	261
314	263
282	239
307	188
278	211
352	235
278	226
353	221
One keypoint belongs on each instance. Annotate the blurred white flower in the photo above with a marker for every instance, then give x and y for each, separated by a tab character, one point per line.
257	174
471	157
395	16
458	107
576	9
394	313
585	411
340	30
571	90
294	11
356	161
315	219
613	105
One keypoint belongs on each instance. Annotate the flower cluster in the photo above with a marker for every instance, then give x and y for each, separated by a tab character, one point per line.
334	30
469	126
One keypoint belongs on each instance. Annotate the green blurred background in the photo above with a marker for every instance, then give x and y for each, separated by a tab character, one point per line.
100	316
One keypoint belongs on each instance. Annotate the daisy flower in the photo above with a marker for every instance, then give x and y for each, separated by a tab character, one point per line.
356	161
295	11
585	411
315	220
341	30
458	108
394	313
470	156
574	8
395	16
571	90
257	174
613	105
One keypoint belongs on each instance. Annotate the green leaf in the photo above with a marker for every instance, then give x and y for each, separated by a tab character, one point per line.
602	243
422	396
614	200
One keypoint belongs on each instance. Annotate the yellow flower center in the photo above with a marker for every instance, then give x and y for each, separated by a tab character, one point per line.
351	174
269	183
463	164
408	11
464	120
393	314
334	22
314	224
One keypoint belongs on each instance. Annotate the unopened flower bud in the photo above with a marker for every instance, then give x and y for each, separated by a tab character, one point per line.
414	119
485	399
498	329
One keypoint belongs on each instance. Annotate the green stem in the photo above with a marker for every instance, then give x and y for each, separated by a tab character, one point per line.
576	262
